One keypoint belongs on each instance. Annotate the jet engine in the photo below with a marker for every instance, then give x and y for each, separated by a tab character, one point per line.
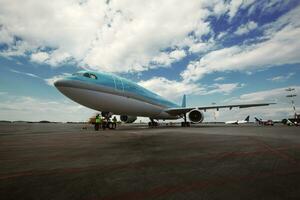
196	116
128	119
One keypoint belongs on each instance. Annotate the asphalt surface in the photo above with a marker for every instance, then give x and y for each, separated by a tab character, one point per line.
64	161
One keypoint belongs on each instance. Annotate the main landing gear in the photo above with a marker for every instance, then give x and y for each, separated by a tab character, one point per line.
152	123
185	123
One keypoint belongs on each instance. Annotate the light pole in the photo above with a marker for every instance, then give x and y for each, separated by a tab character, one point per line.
291	96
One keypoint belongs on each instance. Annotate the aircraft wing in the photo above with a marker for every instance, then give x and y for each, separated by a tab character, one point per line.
179	111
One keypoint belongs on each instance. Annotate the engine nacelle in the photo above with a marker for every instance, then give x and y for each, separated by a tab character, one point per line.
128	119
196	116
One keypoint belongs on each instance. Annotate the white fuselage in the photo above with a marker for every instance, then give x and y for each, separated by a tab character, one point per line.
236	122
117	104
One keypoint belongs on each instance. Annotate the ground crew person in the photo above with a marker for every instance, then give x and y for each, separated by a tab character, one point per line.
97	122
114	124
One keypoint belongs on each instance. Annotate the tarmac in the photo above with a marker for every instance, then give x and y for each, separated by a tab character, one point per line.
64	161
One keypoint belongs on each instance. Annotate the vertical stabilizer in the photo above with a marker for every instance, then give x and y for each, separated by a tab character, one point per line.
183	101
247	118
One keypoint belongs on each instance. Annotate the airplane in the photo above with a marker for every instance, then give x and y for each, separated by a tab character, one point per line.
109	93
289	122
239	121
264	122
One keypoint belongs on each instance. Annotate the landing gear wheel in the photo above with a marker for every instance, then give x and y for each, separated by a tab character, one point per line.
152	124
110	126
185	124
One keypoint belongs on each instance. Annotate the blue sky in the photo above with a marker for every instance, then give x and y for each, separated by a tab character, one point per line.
214	51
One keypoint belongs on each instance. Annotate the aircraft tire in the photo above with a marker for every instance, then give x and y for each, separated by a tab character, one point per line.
110	125
185	124
152	124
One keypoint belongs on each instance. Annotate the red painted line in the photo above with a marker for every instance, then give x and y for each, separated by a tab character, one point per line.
162	191
274	151
78	156
145	164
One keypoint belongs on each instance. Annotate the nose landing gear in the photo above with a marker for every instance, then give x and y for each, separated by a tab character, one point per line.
152	123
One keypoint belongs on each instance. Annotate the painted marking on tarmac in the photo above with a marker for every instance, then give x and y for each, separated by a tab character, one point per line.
275	151
163	191
137	165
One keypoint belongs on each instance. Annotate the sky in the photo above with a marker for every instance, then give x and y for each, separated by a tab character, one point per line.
214	51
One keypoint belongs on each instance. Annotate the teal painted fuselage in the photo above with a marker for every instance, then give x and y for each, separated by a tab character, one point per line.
121	86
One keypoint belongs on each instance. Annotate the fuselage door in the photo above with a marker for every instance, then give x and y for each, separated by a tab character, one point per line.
119	84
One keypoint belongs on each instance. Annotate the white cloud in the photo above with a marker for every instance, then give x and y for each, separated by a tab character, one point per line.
50	81
5	36
177	54
229	8
171	89
39	57
235	5
221	78
118	36
221	35
219	8
24	73
281	78
166	27
174	90
200	47
282	109
274	95
226	88
246	28
53	58
19	48
34	109
280	47
168	58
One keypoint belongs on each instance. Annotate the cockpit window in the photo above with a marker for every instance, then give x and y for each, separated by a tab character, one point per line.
88	75
93	76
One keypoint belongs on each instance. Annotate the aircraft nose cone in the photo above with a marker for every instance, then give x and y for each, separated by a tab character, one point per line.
59	83
63	83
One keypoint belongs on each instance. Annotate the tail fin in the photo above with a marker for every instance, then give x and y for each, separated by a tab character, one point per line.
183	101
256	119
247	118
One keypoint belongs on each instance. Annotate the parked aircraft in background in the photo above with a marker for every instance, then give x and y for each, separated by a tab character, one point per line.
264	122
110	93
239	121
289	122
